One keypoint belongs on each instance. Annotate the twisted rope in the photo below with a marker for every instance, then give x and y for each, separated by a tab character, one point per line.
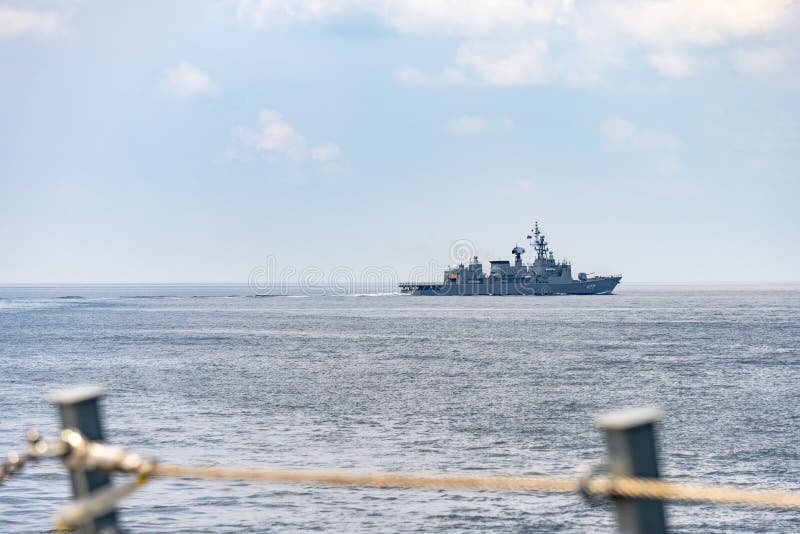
78	453
635	488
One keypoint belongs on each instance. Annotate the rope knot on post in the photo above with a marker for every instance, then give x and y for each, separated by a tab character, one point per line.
588	482
94	455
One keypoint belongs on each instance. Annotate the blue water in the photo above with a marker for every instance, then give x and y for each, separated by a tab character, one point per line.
210	374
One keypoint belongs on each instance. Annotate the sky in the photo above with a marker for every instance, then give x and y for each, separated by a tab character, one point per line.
192	141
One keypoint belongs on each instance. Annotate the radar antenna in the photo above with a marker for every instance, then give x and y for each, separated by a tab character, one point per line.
518	251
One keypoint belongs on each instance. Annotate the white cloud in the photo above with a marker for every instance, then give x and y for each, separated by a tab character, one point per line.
186	81
276	139
437	17
659	22
466	124
413	76
470	125
18	22
671	65
621	134
538	42
514	63
260	12
679	29
326	152
677	22
471	17
760	61
528	63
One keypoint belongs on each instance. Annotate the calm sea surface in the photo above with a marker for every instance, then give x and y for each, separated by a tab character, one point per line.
212	375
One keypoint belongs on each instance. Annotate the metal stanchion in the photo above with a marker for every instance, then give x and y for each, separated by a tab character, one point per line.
631	446
79	410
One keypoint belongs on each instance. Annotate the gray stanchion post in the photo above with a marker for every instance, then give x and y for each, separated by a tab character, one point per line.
78	408
631	446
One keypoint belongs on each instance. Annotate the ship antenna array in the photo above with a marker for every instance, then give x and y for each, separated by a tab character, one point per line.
539	242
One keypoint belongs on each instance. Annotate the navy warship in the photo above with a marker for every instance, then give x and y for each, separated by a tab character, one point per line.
545	276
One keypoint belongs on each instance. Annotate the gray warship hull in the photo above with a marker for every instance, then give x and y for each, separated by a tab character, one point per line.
545	276
603	285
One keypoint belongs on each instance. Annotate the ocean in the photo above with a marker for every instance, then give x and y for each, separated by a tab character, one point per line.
213	375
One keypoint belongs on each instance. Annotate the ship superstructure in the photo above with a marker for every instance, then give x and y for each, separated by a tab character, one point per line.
545	276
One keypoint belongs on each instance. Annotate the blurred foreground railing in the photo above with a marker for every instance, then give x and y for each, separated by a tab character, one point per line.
629	477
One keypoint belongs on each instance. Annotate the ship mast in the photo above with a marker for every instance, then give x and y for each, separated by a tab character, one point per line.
539	243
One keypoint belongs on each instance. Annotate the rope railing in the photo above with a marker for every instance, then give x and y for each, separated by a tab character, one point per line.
81	455
597	485
78	453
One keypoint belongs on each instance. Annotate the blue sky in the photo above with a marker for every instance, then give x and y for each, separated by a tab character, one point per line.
186	141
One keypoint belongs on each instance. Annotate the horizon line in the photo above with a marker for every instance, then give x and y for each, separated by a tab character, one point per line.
636	282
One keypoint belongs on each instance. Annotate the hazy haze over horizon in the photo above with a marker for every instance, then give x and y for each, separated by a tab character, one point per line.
190	141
